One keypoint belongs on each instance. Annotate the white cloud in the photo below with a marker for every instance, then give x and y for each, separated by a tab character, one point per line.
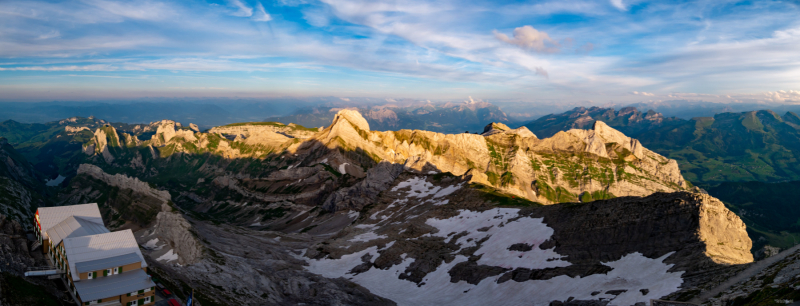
242	10
528	38
61	68
51	34
784	96
345	99
261	14
648	94
619	5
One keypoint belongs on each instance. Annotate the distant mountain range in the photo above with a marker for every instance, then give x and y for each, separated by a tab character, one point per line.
443	118
747	146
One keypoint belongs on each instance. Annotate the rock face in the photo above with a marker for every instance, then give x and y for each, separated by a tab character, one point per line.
75	129
265	130
363	193
18	183
430	240
176	231
766	252
570	166
123	181
14	252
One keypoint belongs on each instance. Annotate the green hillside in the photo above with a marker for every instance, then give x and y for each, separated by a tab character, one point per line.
750	146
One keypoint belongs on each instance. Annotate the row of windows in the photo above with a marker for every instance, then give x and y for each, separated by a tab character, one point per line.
106	272
141	291
143	301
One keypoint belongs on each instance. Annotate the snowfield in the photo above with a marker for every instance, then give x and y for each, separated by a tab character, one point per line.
632	272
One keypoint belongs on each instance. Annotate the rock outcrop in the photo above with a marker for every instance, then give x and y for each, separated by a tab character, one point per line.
265	131
123	181
378	179
14	252
548	170
173	228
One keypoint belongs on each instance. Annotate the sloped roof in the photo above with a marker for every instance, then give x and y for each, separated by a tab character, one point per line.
75	227
100	246
50	216
107	263
114	285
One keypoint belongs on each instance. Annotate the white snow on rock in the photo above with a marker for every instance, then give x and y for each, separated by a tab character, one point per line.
495	251
447	191
366	237
169	256
352	214
152	244
342	170
421	188
632	272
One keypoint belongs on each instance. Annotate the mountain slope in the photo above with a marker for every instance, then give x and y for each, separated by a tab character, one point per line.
21	187
276	172
749	146
430	240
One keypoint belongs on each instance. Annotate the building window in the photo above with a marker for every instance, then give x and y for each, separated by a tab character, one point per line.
147	299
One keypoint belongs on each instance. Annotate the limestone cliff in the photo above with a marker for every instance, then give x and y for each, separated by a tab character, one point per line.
266	131
571	166
123	181
577	165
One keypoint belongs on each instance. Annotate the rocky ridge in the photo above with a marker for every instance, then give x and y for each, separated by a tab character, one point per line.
430	233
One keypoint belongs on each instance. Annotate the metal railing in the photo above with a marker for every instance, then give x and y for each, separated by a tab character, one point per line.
42	271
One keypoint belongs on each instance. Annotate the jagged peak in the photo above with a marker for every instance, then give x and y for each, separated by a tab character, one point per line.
352	116
497	128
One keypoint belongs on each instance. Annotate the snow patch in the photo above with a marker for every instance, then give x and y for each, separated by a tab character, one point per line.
342	170
152	244
421	188
632	272
366	237
169	256
352	214
530	231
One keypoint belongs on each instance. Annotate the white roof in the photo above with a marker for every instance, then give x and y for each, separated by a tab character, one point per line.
75	227
50	216
100	246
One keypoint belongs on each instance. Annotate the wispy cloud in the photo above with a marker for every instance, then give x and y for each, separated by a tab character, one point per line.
61	68
241	9
619	5
566	50
261	14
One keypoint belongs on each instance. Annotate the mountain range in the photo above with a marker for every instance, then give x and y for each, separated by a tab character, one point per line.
572	212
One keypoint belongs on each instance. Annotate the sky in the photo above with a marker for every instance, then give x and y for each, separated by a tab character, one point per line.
530	51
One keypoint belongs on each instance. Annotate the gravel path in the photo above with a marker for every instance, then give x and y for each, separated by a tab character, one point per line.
744	275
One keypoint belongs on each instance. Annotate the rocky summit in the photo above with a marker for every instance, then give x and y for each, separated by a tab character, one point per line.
345	215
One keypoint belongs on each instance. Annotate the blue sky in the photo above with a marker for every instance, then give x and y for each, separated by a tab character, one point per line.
535	51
